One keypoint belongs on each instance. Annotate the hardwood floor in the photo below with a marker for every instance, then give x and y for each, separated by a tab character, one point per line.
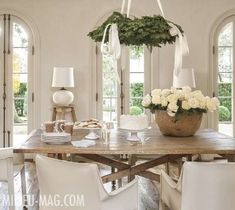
148	190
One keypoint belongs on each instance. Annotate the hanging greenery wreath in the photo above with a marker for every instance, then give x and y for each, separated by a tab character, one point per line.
152	31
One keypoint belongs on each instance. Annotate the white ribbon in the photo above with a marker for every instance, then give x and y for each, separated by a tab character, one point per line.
181	43
113	47
128	7
123	6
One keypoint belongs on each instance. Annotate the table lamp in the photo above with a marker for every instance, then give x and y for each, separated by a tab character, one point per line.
63	77
186	77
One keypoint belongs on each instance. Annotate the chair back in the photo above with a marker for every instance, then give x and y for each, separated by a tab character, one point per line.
208	186
6	163
77	185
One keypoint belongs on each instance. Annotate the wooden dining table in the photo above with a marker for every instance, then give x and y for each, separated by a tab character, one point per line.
159	148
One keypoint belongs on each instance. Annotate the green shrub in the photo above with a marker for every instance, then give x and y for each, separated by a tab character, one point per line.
135	110
225	90
224	114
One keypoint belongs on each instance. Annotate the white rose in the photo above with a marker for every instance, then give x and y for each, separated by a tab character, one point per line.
166	92
156	92
179	94
146	101
211	104
203	103
216	101
185	105
156	99
164	101
186	96
173	89
170	113
193	102
172	98
186	89
172	107
197	94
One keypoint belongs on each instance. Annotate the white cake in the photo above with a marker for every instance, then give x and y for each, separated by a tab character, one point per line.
134	122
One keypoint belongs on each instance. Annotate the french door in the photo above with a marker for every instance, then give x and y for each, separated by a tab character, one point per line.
16	80
224	79
114	98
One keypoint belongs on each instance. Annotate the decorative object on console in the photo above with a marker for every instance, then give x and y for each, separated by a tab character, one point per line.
178	112
48	127
186	77
63	77
92	125
134	124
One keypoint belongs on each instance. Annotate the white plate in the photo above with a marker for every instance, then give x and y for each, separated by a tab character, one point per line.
59	135
56	142
55	138
76	127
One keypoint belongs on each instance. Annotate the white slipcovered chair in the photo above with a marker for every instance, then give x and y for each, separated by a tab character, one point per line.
65	179
10	166
202	186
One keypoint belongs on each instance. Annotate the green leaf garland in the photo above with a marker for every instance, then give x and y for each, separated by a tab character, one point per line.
150	31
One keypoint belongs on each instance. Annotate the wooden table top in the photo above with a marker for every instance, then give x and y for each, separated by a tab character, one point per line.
203	142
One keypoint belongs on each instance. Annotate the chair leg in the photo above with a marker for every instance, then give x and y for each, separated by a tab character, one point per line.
10	175
23	187
11	194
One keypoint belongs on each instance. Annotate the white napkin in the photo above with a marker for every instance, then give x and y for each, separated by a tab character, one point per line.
83	143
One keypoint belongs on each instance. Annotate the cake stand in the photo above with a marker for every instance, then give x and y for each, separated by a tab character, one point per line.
133	136
92	134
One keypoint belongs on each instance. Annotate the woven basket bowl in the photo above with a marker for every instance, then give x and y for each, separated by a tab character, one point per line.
185	125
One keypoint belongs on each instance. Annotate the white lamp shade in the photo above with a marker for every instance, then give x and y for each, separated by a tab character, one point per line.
63	77
186	77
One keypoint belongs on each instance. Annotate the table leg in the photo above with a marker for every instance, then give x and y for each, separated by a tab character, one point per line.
114	181
132	161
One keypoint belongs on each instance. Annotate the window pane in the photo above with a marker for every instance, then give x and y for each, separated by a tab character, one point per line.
20	109
20	60
136	79
225	109
225	90
20	81
225	59
109	90
226	35
136	59
20	37
225	78
110	109
20	84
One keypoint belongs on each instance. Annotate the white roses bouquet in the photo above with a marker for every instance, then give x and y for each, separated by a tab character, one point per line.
176	101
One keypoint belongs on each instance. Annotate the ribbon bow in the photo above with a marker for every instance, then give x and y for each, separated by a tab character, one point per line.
181	43
113	46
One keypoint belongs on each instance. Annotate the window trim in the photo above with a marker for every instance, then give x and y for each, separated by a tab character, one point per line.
35	64
225	18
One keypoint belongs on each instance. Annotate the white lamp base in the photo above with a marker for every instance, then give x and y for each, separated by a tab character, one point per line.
63	97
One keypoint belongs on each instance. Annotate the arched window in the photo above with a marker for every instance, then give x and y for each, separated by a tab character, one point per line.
114	99
224	79
16	84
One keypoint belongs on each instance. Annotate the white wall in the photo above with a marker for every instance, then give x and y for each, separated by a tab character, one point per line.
64	24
